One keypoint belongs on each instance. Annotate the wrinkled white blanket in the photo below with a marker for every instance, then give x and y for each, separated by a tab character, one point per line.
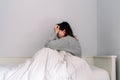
48	64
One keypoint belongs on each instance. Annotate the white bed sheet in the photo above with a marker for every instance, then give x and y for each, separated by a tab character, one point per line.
99	73
80	71
48	64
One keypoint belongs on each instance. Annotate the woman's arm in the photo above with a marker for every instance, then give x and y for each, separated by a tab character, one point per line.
65	44
57	44
52	37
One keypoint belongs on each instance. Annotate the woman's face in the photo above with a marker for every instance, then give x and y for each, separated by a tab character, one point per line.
61	33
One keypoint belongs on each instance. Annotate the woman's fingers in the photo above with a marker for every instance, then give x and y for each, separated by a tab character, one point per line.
56	26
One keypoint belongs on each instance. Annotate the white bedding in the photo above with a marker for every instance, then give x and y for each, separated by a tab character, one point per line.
48	64
100	74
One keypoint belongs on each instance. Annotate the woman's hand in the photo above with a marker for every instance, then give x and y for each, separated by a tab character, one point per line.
56	28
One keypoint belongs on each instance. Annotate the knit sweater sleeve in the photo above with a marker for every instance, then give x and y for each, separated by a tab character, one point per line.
65	44
53	36
57	44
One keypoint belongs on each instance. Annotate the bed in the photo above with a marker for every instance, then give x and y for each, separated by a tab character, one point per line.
104	67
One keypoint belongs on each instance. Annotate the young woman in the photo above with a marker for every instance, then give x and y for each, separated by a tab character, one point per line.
63	39
50	64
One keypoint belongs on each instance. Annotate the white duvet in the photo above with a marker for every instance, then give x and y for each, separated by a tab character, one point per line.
48	64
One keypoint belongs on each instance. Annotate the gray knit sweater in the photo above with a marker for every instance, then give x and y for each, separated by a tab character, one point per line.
67	43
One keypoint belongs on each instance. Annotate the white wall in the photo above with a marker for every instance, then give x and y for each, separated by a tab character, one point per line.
26	24
109	29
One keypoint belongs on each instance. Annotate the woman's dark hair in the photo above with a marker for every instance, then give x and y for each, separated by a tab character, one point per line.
65	26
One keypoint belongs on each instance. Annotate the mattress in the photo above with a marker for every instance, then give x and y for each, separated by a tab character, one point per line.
100	74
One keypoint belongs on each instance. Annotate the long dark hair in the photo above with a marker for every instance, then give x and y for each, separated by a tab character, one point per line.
65	26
